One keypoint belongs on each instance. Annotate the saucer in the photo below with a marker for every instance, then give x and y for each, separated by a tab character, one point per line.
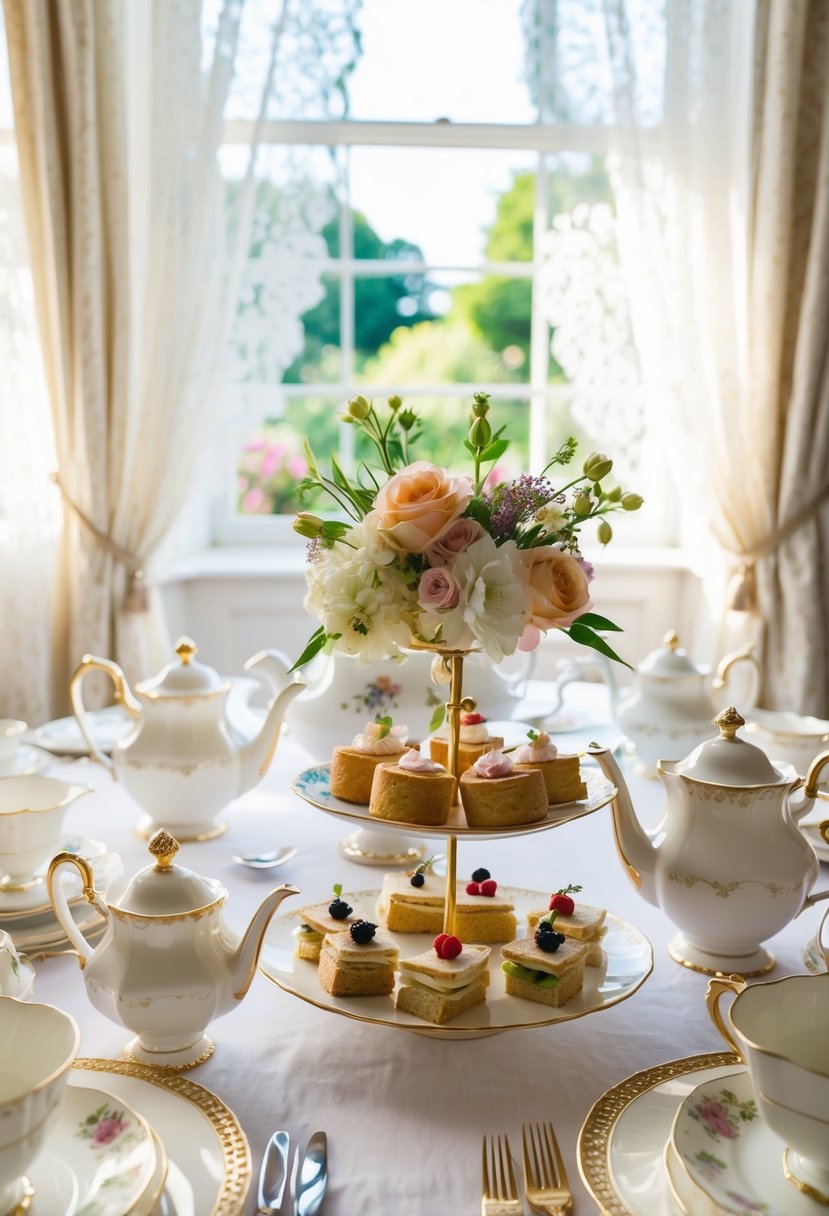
63	735
26	760
731	1154
622	1141
99	1159
813	958
106	866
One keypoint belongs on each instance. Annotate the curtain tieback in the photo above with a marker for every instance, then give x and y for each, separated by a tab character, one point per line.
741	595
136	596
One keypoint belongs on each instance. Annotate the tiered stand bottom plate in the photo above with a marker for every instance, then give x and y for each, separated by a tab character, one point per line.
629	963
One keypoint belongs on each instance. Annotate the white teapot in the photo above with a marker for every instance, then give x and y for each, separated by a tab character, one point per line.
669	710
726	862
183	761
167	964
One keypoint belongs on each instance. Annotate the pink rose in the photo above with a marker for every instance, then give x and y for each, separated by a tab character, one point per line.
107	1129
459	536
557	592
438	589
716	1116
418	505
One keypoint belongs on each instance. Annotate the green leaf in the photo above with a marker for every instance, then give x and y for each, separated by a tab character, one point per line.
470	447
315	644
436	720
338	889
597	622
385	724
310	458
495	449
584	636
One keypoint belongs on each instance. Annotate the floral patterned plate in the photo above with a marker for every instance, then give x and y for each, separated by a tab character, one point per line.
100	1160
731	1155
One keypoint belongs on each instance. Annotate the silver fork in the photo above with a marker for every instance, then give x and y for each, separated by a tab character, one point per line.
499	1190
545	1178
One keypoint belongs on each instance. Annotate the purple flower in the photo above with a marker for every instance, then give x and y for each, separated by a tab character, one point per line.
513	502
586	566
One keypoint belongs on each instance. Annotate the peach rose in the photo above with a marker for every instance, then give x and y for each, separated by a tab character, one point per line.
558	592
418	505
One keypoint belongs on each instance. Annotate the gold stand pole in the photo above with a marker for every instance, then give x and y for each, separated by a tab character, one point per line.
454	705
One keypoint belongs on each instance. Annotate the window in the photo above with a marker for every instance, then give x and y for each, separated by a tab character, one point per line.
425	235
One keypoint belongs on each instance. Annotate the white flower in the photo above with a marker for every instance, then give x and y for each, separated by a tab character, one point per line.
492	606
551	515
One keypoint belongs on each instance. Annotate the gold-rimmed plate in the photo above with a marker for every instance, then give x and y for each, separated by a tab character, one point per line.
622	1141
313	785
629	962
208	1158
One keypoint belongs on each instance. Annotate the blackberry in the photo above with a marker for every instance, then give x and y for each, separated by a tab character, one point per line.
339	909
549	942
362	931
417	879
480	875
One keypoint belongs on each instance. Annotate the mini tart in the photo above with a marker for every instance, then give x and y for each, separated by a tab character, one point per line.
586	925
315	922
562	778
502	802
352	772
439	989
406	797
350	969
566	966
468	753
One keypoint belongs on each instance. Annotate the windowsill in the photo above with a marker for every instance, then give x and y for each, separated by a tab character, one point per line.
289	560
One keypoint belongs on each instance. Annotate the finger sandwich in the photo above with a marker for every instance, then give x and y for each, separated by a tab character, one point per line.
350	967
585	925
315	922
549	979
404	908
439	989
482	917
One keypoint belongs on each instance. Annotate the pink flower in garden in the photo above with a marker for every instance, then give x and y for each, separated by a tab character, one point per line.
460	536
108	1129
496	474
254	502
297	466
255	445
716	1117
270	463
438	588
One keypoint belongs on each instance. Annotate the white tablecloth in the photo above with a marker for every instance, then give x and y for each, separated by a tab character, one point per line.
405	1114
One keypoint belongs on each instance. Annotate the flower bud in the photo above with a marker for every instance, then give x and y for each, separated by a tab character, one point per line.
480	407
358	408
395	403
480	433
605	533
615	494
597	466
308	525
407	419
631	502
582	504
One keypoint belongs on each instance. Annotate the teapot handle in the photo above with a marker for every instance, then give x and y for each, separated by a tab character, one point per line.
717	988
122	695
810	788
746	655
57	896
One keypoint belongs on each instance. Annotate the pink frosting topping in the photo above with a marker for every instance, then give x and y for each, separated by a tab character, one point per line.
415	762
492	764
538	751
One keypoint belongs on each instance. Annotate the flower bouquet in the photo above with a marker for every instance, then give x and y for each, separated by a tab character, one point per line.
454	559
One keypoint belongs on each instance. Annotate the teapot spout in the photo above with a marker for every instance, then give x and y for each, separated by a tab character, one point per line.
255	757
636	850
273	666
245	957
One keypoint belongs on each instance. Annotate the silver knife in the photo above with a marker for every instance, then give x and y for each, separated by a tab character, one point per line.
312	1177
273	1176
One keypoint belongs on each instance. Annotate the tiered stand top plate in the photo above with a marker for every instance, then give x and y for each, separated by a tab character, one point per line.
629	963
313	785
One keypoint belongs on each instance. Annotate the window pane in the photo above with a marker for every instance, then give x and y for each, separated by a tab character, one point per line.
271	459
319	360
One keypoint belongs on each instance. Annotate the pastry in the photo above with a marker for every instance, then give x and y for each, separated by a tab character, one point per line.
496	795
481	915
358	962
475	741
562	776
318	919
577	921
413	789
550	976
352	768
441	983
409	905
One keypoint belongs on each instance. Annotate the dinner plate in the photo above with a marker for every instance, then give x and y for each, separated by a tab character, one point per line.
30	905
26	760
313	785
622	1141
629	963
208	1159
99	1160
731	1154
63	735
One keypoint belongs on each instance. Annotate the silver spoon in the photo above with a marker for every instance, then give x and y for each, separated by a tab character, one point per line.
265	861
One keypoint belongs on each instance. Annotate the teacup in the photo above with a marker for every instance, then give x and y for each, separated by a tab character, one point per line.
779	1030
10	732
795	738
31	826
16	974
39	1044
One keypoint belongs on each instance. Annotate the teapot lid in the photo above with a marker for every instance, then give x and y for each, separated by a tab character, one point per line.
729	760
669	660
164	889
184	677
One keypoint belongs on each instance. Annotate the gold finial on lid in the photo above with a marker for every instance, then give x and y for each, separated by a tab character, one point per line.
186	649
671	640
163	847
729	722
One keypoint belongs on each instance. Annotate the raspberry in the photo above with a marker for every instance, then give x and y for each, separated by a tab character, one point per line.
451	947
488	887
472	719
473	888
563	904
438	943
